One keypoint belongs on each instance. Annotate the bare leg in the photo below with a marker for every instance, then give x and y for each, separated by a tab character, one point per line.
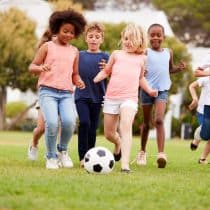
110	130
159	124
206	151
126	120
39	130
147	111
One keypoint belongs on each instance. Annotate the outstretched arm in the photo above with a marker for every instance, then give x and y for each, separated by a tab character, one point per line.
199	72
104	73
173	68
192	90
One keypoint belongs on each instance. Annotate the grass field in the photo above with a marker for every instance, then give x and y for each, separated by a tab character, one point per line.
26	185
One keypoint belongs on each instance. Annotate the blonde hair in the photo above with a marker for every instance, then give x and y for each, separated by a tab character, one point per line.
94	26
137	36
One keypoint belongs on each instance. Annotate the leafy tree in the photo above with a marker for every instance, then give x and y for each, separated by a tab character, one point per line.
65	4
188	18
17	46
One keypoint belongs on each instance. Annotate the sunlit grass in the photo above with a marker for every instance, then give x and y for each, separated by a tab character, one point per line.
26	185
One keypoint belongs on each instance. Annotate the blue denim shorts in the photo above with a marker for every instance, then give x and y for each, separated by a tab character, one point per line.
146	99
199	118
205	127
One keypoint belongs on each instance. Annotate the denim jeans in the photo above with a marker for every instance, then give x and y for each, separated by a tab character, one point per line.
57	105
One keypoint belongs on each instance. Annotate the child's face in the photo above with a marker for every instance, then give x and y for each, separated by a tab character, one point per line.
127	45
156	37
94	39
66	33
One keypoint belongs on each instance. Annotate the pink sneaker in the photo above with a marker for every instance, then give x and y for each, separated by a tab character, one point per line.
161	160
141	158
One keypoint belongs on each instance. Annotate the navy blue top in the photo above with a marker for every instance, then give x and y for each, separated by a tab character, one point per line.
88	69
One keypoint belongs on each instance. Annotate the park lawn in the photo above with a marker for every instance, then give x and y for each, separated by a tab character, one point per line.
26	185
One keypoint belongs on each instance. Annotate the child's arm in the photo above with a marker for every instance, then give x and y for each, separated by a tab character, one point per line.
104	73
37	66
199	72
76	79
192	90
174	69
144	84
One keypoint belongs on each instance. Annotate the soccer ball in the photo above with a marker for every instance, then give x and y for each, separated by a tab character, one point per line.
99	160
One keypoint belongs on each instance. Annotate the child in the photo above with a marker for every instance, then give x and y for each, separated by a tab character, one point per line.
37	133
203	131
56	63
89	100
159	66
126	69
39	130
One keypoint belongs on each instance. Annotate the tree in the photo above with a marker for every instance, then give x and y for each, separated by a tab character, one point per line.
65	4
17	47
189	19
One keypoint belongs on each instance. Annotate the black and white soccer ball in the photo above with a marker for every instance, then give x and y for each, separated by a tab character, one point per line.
99	160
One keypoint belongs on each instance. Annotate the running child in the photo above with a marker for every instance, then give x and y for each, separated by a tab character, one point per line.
126	69
56	63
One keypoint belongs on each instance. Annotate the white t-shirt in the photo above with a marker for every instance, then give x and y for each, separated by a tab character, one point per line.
204	98
206	63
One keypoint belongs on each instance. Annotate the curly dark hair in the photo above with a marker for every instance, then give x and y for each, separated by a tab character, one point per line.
58	18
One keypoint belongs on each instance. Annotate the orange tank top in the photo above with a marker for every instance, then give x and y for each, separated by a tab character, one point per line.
61	60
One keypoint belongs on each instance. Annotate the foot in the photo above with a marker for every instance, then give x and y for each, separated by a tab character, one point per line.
32	153
202	161
65	160
161	160
117	157
125	170
194	144
52	163
82	163
141	158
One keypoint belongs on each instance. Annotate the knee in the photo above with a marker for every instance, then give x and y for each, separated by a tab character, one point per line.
159	122
40	129
68	124
146	126
84	124
52	128
109	135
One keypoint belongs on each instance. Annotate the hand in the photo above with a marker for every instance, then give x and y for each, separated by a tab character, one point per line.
153	93
45	67
80	84
102	64
193	104
182	66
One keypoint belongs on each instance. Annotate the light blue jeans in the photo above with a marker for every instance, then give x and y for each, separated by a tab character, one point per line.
57	105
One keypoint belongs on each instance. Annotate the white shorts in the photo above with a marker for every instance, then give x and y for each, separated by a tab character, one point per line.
114	106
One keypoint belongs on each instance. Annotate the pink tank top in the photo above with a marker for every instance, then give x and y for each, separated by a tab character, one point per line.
61	60
124	80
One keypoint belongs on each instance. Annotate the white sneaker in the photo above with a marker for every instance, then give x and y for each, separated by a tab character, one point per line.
197	134
32	153
52	163
141	158
65	160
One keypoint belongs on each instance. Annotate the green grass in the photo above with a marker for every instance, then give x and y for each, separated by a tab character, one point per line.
26	185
